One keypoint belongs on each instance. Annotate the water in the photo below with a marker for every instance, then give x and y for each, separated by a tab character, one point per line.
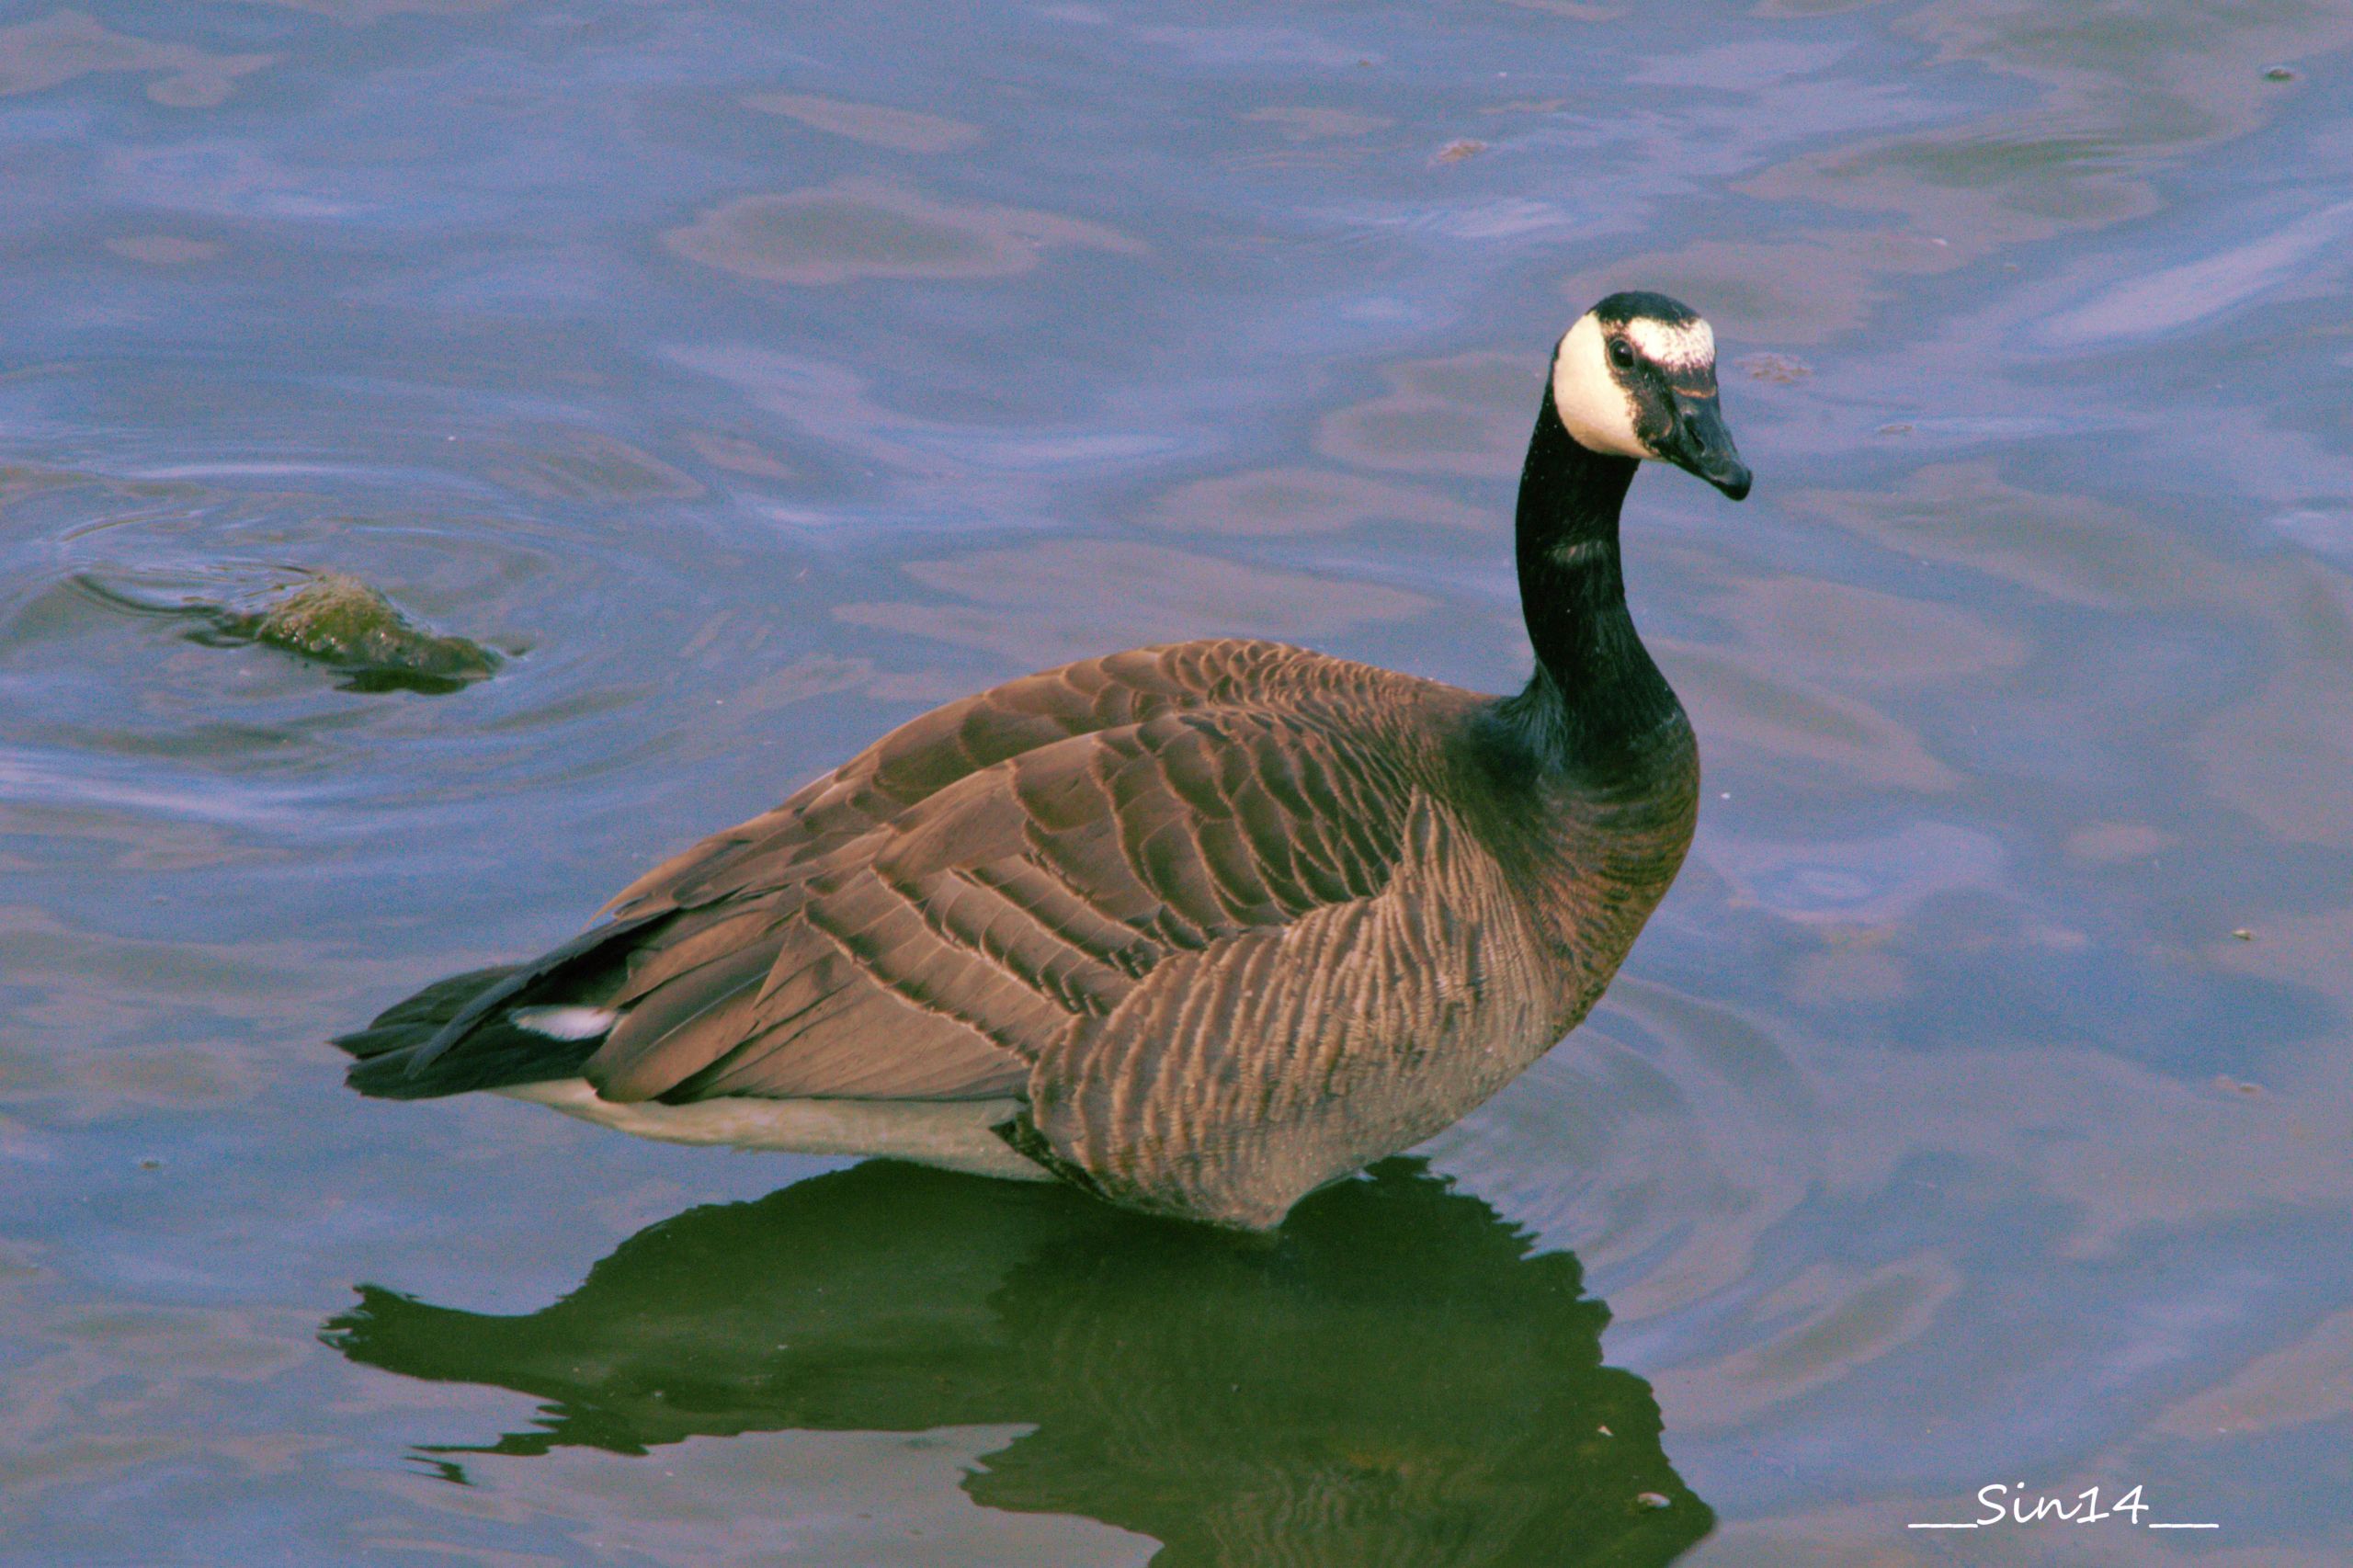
751	380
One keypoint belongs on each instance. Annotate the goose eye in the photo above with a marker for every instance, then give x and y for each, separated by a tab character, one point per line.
1621	353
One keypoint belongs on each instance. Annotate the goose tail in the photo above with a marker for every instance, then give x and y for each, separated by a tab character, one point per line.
421	1016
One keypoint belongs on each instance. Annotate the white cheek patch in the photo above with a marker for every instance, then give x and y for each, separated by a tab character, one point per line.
1597	413
1691	347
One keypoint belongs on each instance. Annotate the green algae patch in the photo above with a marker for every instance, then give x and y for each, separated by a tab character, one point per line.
335	621
341	622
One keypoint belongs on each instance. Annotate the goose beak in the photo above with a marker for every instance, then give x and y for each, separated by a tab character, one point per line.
1699	444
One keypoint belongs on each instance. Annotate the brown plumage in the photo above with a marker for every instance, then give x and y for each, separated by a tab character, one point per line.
1200	926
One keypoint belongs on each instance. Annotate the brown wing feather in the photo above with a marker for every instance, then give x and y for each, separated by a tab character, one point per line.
927	920
927	753
1011	896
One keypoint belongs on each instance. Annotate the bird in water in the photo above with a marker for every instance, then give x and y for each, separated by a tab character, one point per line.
1200	926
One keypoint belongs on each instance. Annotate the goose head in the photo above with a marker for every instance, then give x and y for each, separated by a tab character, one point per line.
1636	376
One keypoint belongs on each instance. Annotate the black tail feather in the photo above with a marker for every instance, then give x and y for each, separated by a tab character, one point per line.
454	1035
421	1016
497	1055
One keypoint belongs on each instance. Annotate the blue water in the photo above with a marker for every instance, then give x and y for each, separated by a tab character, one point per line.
1976	1110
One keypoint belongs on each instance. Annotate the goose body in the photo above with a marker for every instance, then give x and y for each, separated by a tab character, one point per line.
1199	927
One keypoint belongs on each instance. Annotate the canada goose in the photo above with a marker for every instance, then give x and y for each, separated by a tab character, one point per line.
1199	927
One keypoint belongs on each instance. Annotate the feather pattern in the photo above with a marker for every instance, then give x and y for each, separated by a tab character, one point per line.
1204	908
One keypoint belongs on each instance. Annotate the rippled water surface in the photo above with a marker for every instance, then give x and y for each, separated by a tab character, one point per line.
1978	1109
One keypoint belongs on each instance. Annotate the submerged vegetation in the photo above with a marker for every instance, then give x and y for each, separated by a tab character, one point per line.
333	619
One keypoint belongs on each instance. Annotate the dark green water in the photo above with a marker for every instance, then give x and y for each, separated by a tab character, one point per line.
1978	1110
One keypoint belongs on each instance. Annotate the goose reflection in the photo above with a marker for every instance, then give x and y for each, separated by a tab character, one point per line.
1397	1377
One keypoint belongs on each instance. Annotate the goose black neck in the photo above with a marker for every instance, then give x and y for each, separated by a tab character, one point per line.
1596	702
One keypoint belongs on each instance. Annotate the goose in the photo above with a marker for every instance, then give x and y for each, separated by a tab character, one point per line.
1199	927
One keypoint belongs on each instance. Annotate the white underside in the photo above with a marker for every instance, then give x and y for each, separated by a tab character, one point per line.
957	1135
